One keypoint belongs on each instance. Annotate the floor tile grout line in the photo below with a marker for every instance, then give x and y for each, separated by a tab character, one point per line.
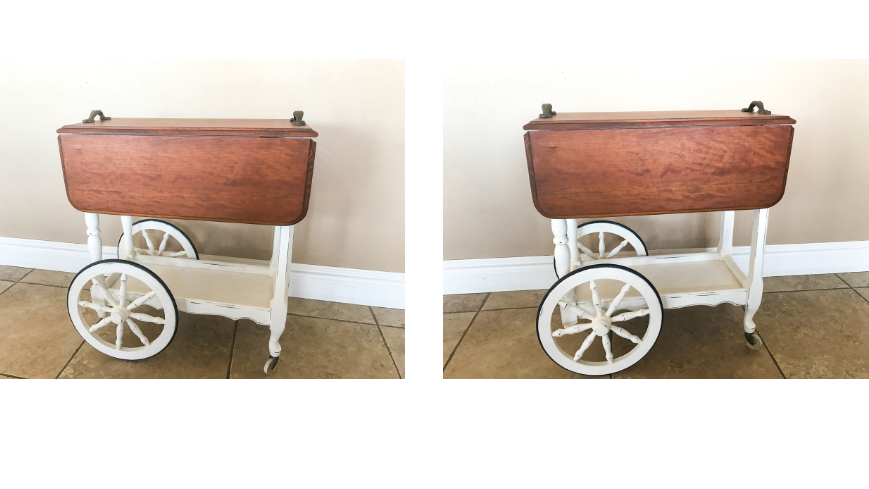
450	359
766	347
13	376
333	319
70	359
382	337
852	288
232	349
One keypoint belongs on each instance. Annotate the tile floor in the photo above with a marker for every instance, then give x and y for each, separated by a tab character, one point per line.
813	326
322	340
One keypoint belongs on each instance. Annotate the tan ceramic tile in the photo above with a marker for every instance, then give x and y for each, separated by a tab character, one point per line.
864	291
514	300
803	282
817	334
395	341
856	279
503	344
6	377
36	336
200	350
13	274
463	302
314	348
5	285
455	325
49	277
330	310
703	343
389	317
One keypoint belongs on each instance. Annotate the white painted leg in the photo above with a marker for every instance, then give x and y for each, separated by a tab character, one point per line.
754	281
95	247
725	240
571	244
127	243
562	261
95	244
278	320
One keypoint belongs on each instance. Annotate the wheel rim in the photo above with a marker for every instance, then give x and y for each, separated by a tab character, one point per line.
599	327
156	244
142	333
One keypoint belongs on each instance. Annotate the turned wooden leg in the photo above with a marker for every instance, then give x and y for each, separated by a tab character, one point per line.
562	262
755	271
125	252
95	247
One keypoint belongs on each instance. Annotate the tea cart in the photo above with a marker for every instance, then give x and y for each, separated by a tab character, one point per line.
603	165
226	170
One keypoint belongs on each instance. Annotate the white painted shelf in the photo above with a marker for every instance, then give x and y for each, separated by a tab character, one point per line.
209	287
680	283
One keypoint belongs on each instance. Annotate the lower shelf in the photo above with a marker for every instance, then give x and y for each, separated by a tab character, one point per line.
680	284
236	295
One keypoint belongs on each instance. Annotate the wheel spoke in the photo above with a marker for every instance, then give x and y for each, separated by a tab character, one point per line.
141	300
625	334
119	335
138	332
617	249
576	328
148	241
163	244
631	315
122	292
605	339
618	300
574	309
106	320
584	346
146	317
95	307
174	254
98	283
595	297
600	246
585	250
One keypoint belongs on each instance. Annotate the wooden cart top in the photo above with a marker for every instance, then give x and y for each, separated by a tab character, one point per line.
633	120
256	171
606	164
192	127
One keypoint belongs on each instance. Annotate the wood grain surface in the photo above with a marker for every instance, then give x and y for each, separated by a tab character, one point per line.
625	120
192	127
231	179
622	172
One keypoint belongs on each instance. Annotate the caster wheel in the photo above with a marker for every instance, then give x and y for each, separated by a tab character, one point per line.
608	301
602	228
270	365
157	247
131	299
753	341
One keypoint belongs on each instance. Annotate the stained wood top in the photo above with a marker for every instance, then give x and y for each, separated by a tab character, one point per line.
192	127
626	120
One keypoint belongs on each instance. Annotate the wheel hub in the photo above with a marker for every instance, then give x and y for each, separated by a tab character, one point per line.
601	325
119	314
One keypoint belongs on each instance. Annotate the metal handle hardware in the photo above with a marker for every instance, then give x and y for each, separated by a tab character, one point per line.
547	111
297	118
759	105
95	113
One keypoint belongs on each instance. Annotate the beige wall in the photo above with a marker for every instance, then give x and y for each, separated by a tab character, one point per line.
356	213
488	210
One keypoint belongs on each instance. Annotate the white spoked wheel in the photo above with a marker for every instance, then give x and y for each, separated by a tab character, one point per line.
150	229
126	295
626	237
604	299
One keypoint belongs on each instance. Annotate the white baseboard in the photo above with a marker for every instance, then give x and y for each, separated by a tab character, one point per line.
347	285
535	272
